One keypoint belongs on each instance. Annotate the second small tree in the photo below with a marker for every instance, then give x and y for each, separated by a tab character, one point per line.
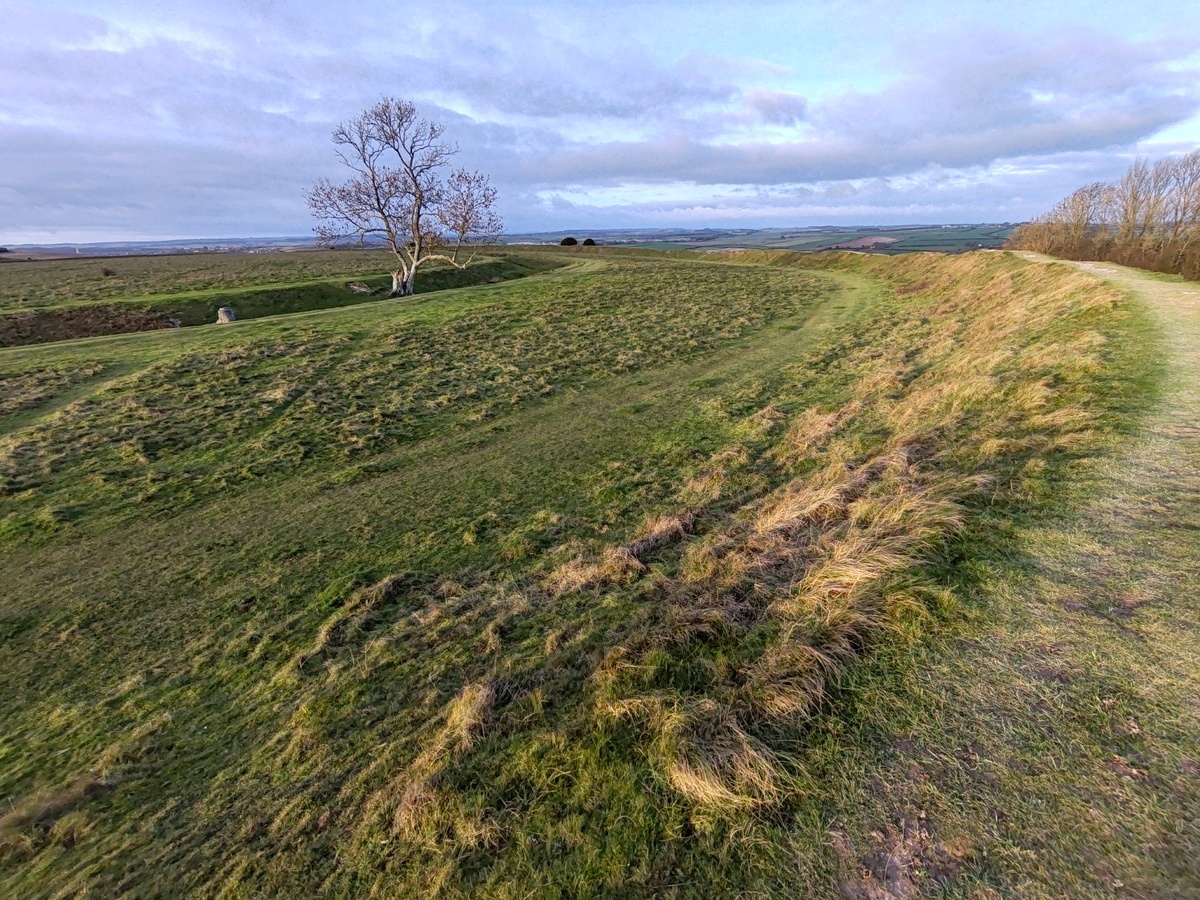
401	194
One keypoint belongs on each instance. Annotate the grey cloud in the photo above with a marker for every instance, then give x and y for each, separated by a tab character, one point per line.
959	82
776	107
221	122
911	200
564	79
954	109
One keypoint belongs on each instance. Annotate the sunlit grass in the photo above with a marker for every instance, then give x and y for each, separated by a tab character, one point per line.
611	582
60	300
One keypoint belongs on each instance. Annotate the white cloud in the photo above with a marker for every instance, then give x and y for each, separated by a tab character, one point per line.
213	120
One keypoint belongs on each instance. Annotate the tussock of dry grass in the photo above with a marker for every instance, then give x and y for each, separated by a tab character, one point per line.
819	560
661	531
616	565
613	566
418	807
809	433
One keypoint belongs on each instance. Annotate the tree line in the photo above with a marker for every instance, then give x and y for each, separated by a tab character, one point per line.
1149	218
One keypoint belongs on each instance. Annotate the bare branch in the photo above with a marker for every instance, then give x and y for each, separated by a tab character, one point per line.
399	194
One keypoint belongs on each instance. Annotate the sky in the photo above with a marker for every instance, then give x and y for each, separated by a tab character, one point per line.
129	120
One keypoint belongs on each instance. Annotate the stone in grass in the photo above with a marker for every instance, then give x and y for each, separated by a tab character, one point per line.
226	314
358	287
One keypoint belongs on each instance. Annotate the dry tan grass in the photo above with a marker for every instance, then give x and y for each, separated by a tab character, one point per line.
829	559
612	566
810	432
413	802
661	531
44	810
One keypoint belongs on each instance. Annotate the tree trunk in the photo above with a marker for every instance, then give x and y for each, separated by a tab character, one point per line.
402	286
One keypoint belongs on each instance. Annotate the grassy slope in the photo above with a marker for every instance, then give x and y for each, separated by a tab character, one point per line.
1049	747
46	283
250	708
73	305
341	518
1091	719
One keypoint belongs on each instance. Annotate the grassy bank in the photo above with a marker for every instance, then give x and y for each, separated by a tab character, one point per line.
80	316
54	282
625	578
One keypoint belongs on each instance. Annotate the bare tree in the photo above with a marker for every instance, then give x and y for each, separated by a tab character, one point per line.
1130	201
1183	205
401	194
1150	217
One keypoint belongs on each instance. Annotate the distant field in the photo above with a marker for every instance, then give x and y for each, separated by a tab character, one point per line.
645	575
43	283
52	300
940	238
909	239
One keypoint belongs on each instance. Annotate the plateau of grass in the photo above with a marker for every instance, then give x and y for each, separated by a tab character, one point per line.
44	283
89	304
647	576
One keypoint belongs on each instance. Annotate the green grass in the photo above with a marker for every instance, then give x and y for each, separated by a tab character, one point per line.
93	305
42	283
454	594
317	392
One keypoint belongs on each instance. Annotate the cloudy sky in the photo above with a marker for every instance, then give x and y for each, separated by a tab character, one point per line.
124	120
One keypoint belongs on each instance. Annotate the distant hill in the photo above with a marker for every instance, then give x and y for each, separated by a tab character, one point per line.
869	238
150	248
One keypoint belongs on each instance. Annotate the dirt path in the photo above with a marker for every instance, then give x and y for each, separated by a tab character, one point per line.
1054	750
1151	502
1109	621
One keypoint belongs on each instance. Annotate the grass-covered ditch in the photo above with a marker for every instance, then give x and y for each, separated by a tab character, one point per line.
92	309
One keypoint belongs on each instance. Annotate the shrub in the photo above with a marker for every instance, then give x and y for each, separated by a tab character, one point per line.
568	242
588	242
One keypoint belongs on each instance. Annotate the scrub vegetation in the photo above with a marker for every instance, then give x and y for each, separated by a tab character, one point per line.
644	576
1149	218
